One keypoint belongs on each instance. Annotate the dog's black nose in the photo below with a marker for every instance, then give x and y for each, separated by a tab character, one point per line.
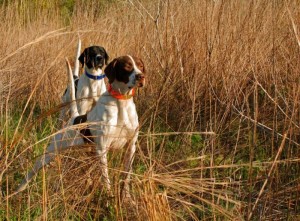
98	57
139	77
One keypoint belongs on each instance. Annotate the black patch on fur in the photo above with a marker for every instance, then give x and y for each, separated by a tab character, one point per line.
94	56
85	132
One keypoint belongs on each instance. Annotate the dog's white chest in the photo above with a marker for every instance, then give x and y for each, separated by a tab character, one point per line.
127	116
117	121
94	89
97	89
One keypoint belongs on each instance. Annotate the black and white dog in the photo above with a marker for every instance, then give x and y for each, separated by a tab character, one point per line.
90	85
111	124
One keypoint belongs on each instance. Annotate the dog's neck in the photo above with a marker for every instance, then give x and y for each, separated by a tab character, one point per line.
121	88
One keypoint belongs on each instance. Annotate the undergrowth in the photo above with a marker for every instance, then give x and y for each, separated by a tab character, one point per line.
219	116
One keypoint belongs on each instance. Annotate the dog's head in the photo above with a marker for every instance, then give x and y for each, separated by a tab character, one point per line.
94	57
128	70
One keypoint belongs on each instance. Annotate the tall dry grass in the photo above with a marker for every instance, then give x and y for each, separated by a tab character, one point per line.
219	116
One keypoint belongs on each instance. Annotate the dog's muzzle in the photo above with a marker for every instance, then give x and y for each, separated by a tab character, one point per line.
140	78
99	61
96	62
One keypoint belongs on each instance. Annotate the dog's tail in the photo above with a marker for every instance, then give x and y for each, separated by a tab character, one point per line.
73	108
76	68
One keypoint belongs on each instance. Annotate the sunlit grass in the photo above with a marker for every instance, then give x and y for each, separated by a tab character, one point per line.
219	115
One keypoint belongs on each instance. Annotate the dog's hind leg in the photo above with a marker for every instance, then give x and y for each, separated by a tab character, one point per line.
59	142
41	162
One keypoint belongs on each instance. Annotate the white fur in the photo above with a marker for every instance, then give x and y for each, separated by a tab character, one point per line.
88	92
113	124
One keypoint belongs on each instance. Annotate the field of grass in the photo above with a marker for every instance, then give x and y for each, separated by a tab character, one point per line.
219	116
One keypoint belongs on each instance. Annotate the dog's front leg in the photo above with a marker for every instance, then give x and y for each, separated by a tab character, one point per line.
102	148
104	169
83	100
84	105
128	160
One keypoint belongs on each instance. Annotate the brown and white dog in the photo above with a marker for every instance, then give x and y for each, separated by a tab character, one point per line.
90	86
112	123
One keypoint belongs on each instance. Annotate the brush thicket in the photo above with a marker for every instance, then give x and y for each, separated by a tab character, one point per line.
219	115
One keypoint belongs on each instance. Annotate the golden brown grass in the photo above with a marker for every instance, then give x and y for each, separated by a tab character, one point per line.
219	115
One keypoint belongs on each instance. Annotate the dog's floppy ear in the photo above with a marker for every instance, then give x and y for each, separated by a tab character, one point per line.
110	71
82	57
144	69
106	57
140	64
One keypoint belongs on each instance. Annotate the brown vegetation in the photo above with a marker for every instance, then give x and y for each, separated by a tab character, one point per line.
219	116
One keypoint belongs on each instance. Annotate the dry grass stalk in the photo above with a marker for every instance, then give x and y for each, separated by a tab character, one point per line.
222	90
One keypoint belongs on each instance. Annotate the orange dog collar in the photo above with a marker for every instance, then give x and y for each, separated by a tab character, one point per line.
118	95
